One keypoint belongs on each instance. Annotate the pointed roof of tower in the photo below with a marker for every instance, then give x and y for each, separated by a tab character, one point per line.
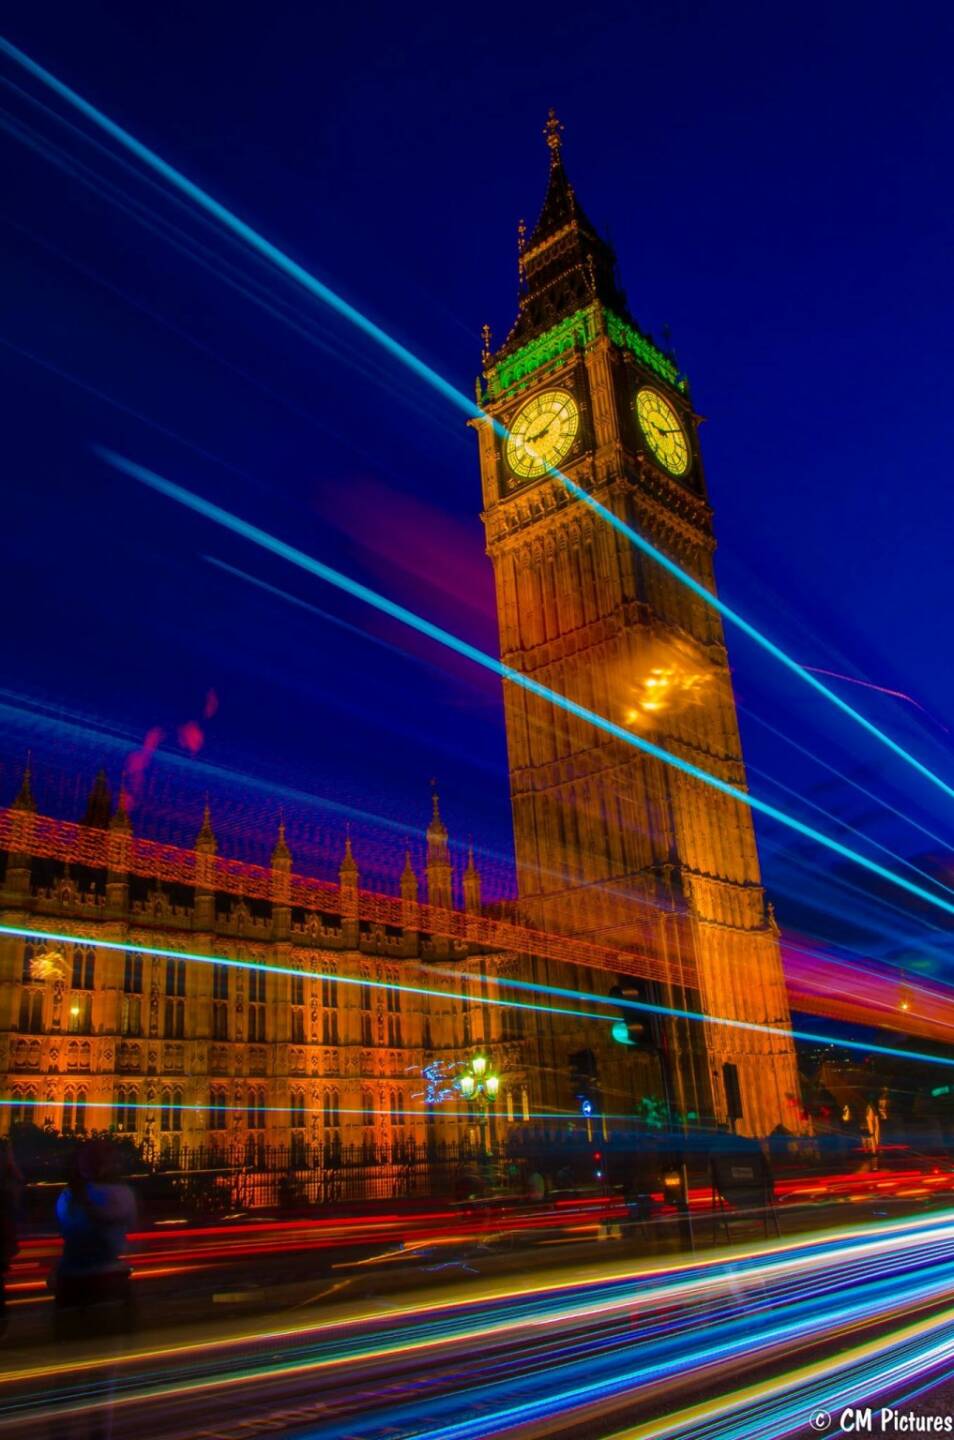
471	867
436	830
24	799
99	806
205	841
348	866
120	819
281	851
564	264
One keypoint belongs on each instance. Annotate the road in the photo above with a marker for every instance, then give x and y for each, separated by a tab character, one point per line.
581	1340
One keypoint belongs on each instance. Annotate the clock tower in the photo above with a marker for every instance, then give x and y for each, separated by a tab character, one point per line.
611	843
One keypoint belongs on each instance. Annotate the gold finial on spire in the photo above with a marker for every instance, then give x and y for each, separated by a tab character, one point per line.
553	130
485	344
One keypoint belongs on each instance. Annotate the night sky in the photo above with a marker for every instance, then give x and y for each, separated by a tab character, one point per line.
776	181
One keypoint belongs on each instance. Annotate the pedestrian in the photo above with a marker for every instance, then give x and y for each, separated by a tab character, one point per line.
95	1213
11	1183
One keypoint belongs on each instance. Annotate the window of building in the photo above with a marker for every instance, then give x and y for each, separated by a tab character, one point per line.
130	1015
367	1016
27	976
218	1100
127	1097
31	1012
329	1027
220	1020
331	1113
256	1022
297	991
174	1028
297	1110
397	1108
298	1026
256	1107
220	982
367	1108
394	1016
329	992
84	967
74	1110
170	1111
175	977
132	973
256	987
80	1018
512	1023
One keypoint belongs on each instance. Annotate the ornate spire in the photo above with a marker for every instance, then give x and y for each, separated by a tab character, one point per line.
349	866
471	884
120	818
553	129
205	842
564	264
281	853
436	830
99	806
25	800
409	885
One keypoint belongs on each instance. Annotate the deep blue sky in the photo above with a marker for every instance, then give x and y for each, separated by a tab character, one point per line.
776	181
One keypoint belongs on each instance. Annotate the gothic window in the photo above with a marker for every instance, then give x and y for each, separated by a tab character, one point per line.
175	977
427	1039
130	1015
256	1107
220	982
132	973
297	1110
79	1021
31	1012
74	1110
329	1027
512	1022
297	990
367	1108
127	1107
298	1026
257	1002
220	1020
367	1018
332	1116
394	1016
170	1112
397	1108
174	1019
217	1103
24	1107
84	967
29	955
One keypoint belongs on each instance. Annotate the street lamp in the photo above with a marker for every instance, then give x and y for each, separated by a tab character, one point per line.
479	1083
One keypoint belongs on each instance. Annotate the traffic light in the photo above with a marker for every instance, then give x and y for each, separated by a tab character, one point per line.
633	1028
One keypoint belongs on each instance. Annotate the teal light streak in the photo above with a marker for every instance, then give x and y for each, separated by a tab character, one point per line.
449	392
271	543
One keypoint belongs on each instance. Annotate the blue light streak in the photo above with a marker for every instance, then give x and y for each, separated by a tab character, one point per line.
355	588
296	272
59	938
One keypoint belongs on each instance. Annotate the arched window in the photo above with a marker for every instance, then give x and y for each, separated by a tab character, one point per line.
217	1103
74	1110
31	1012
127	1108
297	1109
27	976
367	1108
397	1108
84	967
170	1113
332	1115
256	1107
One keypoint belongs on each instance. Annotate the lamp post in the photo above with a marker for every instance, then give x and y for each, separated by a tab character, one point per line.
479	1084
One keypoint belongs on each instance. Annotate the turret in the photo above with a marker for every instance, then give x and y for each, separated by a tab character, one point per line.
471	885
281	885
440	877
99	804
409	894
205	848
348	892
22	826
119	854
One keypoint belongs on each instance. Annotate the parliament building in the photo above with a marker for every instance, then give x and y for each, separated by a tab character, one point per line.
184	998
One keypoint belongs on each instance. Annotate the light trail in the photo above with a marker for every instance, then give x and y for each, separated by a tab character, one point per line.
264	248
675	1012
379	602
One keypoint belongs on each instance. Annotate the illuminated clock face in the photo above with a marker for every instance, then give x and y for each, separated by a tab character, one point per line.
542	433
664	434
